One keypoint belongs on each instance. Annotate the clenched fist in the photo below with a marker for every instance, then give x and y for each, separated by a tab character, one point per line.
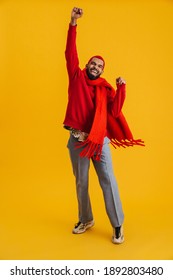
120	81
75	14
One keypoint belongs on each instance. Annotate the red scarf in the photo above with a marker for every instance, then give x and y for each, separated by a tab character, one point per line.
104	123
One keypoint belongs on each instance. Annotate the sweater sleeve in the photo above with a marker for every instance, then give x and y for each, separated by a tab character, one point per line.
116	104
71	55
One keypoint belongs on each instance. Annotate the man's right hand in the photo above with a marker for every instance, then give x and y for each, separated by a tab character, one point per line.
75	14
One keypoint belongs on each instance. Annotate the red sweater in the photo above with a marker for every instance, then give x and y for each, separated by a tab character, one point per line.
82	119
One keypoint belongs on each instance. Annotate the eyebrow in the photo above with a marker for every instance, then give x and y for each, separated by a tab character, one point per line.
93	62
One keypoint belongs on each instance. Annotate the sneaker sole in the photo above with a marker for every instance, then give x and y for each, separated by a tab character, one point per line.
82	231
118	241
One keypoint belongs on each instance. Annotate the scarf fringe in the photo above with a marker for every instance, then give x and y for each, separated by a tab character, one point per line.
126	143
90	149
94	150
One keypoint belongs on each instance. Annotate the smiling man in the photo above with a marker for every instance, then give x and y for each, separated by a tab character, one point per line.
94	119
94	68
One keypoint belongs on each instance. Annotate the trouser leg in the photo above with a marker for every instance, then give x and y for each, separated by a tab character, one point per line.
109	187
81	172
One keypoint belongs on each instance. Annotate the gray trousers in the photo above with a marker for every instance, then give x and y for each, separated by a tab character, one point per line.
107	182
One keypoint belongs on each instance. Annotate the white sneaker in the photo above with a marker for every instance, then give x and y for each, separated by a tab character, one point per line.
80	227
118	235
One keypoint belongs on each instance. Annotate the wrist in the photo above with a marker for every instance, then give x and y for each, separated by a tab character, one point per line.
121	86
73	21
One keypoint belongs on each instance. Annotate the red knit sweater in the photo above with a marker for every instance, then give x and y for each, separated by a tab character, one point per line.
83	119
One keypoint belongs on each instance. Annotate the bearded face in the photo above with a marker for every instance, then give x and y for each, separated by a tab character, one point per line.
94	68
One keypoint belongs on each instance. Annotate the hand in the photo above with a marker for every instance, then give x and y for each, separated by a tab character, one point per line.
75	14
120	81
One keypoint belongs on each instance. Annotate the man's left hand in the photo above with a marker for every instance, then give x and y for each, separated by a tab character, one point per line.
120	81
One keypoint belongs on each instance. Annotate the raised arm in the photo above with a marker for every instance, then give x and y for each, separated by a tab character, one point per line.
71	50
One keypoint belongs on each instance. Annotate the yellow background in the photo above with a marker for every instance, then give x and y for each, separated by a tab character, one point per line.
37	202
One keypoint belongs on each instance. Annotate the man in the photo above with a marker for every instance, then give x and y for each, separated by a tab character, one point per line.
94	118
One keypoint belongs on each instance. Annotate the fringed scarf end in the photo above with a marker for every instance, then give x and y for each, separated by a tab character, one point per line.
90	149
138	142
94	150
126	143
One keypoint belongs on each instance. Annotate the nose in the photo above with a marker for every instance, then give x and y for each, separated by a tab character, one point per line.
97	67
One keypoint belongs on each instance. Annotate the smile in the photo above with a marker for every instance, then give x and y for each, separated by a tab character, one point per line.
94	71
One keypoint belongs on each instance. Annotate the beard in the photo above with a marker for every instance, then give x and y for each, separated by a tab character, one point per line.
90	76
